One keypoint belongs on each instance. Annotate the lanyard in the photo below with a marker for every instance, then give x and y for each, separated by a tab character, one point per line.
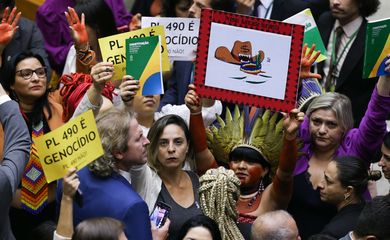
335	59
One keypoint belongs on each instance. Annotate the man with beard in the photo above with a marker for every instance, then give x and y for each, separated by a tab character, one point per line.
343	30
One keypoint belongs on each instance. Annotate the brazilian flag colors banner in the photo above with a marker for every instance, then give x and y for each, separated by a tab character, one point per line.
377	48
143	62
312	34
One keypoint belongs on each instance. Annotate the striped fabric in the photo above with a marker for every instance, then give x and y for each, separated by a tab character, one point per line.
34	193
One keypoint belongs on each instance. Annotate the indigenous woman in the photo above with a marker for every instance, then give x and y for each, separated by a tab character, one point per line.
327	133
254	151
34	202
163	178
252	157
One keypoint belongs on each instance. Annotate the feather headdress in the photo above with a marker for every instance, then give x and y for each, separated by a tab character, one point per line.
263	133
310	89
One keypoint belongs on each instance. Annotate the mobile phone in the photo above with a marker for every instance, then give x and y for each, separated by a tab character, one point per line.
160	214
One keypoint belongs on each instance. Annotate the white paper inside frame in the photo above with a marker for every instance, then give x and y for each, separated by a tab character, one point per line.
271	83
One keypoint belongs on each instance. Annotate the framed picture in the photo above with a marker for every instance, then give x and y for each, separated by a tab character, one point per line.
248	60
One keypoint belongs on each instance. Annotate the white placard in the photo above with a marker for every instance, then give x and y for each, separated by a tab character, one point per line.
181	35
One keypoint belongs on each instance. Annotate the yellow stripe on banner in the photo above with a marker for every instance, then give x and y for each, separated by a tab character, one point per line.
385	51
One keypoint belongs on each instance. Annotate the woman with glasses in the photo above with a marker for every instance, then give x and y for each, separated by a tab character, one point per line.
27	83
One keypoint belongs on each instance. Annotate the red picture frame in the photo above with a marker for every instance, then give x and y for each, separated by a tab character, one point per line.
290	94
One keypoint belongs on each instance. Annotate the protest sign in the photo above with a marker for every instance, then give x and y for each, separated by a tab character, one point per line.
181	35
377	48
258	64
74	144
144	63
113	48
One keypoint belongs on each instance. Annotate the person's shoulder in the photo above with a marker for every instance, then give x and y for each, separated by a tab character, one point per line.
26	22
26	27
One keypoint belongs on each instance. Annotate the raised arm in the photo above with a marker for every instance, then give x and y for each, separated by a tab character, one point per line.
101	74
85	57
203	156
65	220
8	27
368	137
277	195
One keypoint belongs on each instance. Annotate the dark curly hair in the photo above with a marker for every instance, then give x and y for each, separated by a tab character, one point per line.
367	7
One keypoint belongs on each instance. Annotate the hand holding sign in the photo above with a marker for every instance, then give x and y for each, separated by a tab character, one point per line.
101	73
128	88
71	183
192	100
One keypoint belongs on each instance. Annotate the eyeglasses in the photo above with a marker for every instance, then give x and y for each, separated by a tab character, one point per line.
26	74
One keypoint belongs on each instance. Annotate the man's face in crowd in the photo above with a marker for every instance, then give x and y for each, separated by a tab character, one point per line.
197	6
385	161
344	10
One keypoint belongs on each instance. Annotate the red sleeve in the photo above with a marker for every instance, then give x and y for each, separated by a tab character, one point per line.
198	133
288	158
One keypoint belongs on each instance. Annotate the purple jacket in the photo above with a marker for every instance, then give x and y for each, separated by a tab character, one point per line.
359	142
51	20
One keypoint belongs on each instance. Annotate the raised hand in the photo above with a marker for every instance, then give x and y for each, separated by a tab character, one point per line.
8	26
128	88
192	100
383	85
79	31
306	61
291	123
387	64
135	22
101	73
71	183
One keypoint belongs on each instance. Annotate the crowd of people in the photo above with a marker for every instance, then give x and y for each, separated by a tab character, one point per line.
250	173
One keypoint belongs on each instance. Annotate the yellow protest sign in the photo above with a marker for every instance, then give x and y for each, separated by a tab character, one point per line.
75	144
113	48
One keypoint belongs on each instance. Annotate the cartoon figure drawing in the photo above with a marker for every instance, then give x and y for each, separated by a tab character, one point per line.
241	54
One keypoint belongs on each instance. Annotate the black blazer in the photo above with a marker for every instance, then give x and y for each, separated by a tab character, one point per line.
350	81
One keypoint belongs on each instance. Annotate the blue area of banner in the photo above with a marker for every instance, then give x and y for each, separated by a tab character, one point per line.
152	85
381	69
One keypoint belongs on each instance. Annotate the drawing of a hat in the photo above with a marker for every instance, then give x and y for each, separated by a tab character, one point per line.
241	53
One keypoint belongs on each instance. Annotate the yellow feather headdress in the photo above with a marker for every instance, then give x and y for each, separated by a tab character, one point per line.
264	133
